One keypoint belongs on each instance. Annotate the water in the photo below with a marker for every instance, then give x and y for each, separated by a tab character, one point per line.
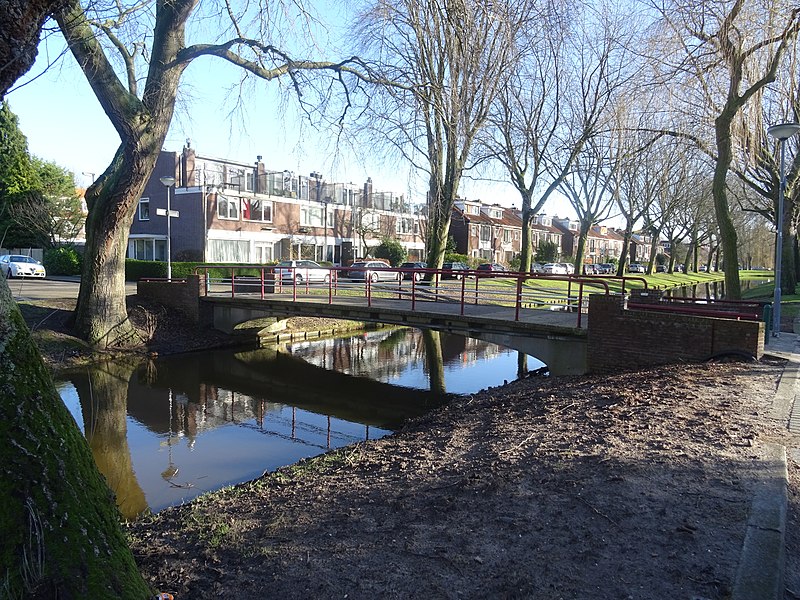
164	431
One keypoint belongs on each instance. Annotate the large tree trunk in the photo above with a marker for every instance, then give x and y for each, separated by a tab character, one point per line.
101	315
626	243
60	528
526	251
719	190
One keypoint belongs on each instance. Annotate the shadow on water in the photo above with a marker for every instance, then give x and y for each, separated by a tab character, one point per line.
169	429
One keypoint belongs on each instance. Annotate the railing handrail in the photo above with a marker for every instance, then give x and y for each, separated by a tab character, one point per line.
434	288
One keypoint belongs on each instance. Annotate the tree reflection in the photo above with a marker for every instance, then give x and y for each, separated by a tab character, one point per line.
103	395
433	356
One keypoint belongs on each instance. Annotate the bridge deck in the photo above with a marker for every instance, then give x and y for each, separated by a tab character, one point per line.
483	318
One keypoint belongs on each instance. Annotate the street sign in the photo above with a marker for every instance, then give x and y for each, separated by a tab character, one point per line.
162	212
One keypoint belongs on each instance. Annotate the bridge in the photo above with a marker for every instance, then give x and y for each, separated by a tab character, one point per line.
560	319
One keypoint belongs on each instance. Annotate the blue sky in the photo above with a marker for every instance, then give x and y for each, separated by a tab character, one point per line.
64	123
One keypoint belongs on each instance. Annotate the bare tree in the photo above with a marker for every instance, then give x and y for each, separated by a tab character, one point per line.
719	57
590	189
561	95
448	60
139	99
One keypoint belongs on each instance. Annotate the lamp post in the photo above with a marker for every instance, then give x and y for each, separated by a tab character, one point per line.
168	183
782	132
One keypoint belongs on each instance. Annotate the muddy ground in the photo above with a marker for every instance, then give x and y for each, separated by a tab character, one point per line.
626	485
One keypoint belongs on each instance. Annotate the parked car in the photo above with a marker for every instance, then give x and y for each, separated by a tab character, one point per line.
302	271
661	268
372	270
636	268
554	269
590	270
536	267
569	267
605	269
491	268
17	265
454	270
417	275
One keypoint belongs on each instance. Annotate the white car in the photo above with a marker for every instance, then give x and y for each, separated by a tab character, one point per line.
302	271
17	265
554	269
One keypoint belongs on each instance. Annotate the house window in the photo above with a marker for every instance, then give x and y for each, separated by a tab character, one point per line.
147	249
227	208
405	225
256	210
144	209
311	216
506	235
236	251
486	233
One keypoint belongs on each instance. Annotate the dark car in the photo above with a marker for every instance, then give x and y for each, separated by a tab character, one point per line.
491	268
605	269
417	275
454	270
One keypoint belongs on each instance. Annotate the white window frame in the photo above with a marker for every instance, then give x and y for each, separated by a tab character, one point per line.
229	201
142	203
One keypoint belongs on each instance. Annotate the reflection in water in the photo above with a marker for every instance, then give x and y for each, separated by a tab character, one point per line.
167	430
713	290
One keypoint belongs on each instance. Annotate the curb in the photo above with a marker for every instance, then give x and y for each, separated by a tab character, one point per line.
759	575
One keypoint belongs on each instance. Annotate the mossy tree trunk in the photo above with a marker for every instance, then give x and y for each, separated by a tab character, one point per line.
60	527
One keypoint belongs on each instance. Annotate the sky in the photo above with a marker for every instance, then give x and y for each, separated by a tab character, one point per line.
64	123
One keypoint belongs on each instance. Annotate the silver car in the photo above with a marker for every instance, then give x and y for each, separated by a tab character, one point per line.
17	265
373	270
302	271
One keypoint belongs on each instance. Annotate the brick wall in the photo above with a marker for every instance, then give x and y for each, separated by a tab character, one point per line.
180	295
620	338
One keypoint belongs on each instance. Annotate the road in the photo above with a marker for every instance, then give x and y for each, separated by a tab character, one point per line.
51	288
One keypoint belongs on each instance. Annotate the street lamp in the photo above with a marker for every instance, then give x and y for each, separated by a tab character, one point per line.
782	132
168	182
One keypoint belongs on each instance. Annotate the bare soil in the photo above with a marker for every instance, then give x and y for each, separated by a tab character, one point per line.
626	485
631	485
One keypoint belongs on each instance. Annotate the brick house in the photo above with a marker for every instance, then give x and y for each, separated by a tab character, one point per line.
493	233
486	232
244	213
602	243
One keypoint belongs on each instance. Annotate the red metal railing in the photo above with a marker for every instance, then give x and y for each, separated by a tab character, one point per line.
521	291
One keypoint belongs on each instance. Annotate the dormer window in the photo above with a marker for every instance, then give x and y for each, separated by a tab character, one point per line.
573	226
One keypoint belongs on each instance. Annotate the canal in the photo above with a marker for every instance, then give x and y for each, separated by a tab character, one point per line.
164	431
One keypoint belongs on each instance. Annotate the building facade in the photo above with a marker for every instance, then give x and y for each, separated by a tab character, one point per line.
233	212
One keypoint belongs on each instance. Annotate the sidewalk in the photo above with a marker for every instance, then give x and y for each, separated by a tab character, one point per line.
761	565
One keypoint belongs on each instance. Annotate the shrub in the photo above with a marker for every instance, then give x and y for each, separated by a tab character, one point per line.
390	250
62	261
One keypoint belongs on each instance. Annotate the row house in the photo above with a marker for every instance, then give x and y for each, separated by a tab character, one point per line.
227	211
494	233
602	243
487	232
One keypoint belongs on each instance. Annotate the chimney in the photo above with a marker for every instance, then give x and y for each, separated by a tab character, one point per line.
368	192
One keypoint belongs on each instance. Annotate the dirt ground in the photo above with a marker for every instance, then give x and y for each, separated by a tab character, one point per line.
629	485
634	485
